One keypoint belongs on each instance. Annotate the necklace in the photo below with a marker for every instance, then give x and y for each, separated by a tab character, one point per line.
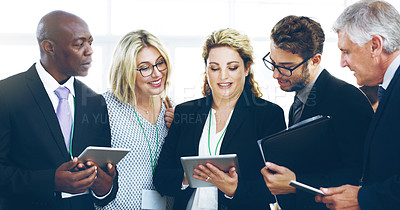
147	112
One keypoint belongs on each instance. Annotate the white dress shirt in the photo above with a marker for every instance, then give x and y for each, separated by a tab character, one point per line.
390	72
50	85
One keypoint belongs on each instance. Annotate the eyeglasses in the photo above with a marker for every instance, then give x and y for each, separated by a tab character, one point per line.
282	70
147	69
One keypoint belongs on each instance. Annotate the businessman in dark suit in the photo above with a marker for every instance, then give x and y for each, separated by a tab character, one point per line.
369	39
295	60
37	167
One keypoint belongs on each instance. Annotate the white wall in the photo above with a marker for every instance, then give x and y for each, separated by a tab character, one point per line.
181	24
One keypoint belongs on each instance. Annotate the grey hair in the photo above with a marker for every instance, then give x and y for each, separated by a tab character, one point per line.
366	18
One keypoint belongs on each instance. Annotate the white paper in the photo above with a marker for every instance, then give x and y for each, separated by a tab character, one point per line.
151	199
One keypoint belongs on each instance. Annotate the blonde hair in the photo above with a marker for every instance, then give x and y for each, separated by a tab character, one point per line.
241	43
123	66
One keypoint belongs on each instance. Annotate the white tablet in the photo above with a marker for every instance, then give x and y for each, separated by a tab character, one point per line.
223	162
103	155
306	188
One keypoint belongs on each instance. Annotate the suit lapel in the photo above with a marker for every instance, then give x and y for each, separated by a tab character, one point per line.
314	96
377	116
240	112
204	107
43	101
78	115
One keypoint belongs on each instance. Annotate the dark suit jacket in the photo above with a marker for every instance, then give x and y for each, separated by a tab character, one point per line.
381	173
252	119
32	145
351	113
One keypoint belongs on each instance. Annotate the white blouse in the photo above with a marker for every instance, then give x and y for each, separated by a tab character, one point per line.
134	170
206	198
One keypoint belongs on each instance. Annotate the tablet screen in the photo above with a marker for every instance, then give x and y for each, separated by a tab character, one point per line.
223	162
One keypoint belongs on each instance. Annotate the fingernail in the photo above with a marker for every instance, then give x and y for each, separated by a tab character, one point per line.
268	164
325	190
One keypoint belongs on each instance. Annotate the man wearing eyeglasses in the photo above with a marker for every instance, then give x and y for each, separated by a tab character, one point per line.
296	53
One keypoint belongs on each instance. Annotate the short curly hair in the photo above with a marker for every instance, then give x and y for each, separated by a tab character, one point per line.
299	35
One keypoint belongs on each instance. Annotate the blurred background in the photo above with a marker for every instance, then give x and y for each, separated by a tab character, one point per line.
182	25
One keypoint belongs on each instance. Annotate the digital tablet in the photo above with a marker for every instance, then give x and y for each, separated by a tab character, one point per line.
306	188
223	162
102	155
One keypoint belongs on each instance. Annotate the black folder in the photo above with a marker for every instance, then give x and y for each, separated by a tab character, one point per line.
304	147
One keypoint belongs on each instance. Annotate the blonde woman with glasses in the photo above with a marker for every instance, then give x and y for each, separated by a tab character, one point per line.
138	117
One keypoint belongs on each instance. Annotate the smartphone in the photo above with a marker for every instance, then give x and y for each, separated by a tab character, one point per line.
306	188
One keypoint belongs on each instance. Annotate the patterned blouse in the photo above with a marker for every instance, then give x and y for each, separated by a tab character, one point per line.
135	169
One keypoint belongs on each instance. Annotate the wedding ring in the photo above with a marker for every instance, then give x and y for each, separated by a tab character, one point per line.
207	179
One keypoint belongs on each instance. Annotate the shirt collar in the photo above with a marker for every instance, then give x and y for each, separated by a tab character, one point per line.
390	72
49	83
303	93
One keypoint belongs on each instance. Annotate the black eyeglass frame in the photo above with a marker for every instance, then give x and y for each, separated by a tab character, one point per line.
155	65
278	67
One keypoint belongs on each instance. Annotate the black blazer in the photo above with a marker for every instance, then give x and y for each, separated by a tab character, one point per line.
252	119
381	171
351	113
32	145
